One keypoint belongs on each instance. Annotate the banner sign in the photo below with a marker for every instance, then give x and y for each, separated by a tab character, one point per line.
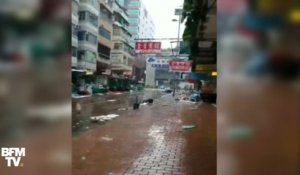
206	67
158	63
181	66
147	47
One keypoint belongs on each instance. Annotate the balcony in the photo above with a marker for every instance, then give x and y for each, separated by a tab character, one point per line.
90	5
88	21
74	35
124	49
120	34
108	4
117	8
120	62
75	7
87	60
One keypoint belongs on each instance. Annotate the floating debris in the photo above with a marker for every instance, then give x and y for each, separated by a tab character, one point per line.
188	126
143	104
112	100
123	109
104	118
83	158
106	138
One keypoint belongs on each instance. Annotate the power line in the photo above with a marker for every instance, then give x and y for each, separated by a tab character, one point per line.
141	39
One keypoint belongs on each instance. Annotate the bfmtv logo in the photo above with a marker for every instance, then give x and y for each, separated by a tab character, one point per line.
13	156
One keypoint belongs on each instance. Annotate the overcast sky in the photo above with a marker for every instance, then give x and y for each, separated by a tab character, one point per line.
162	12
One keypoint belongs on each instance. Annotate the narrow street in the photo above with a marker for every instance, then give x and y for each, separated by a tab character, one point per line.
147	141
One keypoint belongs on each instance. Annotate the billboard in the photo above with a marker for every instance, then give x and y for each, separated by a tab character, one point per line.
180	66
147	47
158	63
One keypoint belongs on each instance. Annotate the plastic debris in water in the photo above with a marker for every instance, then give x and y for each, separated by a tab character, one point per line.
107	138
103	118
112	100
188	126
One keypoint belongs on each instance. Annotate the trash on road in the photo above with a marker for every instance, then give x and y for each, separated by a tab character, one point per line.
122	109
106	138
103	118
136	105
150	101
143	104
83	158
188	126
111	100
193	108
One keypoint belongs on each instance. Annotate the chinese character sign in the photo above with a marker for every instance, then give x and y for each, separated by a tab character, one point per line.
147	47
181	66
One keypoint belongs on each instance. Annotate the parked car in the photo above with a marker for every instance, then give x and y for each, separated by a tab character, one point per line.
195	97
168	90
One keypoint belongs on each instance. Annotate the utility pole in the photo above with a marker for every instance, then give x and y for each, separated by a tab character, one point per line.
178	12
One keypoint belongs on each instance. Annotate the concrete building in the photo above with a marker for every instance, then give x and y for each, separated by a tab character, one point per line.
122	54
156	77
75	26
88	34
141	24
105	36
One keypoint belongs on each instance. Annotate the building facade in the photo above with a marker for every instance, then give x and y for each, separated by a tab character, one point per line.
101	39
122	54
141	24
74	29
88	34
105	30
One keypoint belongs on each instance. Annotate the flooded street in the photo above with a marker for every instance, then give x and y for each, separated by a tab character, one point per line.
146	141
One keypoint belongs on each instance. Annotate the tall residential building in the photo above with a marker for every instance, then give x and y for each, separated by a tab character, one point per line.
105	36
141	24
122	53
75	4
88	34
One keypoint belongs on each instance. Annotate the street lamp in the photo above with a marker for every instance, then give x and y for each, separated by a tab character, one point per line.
178	12
178	36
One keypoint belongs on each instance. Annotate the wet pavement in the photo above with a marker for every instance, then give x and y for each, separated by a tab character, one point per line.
149	140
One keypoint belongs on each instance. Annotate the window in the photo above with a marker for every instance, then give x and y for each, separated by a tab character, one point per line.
74	8
94	3
105	33
81	35
106	16
93	19
118	46
86	36
133	21
104	51
133	12
85	15
74	51
87	56
91	38
74	30
81	15
134	4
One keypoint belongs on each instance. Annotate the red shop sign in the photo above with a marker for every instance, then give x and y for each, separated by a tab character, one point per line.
181	66
147	47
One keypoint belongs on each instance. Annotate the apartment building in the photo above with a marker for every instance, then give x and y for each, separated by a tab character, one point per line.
141	24
105	42
88	34
74	28
122	54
